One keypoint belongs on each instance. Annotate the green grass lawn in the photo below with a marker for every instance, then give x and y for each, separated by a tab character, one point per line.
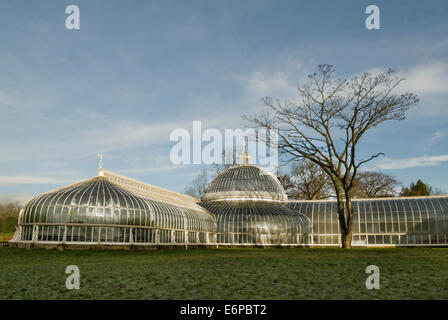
417	273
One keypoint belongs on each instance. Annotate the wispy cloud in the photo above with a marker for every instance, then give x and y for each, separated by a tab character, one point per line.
424	161
427	78
280	81
261	85
438	135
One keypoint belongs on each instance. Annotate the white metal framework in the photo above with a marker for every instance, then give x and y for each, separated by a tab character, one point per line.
413	221
258	223
243	206
250	208
103	211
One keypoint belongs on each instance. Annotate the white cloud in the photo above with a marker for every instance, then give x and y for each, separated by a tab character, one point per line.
262	85
424	161
423	78
279	82
427	78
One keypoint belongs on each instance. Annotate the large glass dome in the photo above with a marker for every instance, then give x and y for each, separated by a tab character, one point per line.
245	182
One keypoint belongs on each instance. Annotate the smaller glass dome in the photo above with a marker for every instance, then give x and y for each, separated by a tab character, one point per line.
245	182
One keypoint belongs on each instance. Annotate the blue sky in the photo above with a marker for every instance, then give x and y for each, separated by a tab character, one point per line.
136	70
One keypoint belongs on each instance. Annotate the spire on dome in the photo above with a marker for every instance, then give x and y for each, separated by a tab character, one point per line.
100	169
244	157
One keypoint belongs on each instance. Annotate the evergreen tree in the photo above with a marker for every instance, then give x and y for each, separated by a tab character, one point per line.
421	188
417	189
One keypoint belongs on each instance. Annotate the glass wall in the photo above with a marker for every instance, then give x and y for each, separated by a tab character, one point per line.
395	221
258	223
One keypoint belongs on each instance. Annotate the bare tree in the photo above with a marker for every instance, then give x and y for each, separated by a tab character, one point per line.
438	192
306	181
327	122
310	182
10	209
199	185
287	184
373	184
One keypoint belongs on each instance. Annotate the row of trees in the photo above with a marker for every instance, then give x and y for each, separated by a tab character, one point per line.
307	181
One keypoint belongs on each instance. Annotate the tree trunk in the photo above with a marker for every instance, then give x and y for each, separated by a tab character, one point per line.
341	214
347	239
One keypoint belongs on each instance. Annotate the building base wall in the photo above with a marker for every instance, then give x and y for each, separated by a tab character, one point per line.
131	247
76	246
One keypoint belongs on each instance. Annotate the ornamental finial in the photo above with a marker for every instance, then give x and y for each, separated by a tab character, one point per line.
244	156
100	169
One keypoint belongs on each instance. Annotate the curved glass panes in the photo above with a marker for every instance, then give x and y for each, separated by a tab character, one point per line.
99	211
258	223
112	209
379	222
245	182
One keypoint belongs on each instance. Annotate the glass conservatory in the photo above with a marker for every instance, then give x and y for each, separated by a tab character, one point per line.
381	222
243	206
111	209
250	209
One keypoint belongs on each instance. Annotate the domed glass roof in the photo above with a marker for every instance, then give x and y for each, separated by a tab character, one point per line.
245	182
85	210
258	222
100	201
